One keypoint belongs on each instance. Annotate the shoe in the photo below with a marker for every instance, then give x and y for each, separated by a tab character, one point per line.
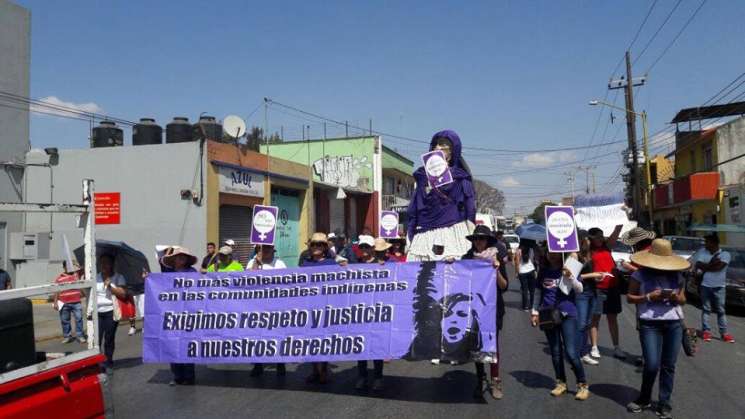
663	411
132	331
727	338
619	353
560	389
637	406
378	384
496	389
454	363
583	392
257	371
587	359
706	336
361	384
81	339
281	370
67	340
172	383
595	352
435	362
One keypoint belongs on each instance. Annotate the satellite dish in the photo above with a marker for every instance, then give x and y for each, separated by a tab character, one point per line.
234	126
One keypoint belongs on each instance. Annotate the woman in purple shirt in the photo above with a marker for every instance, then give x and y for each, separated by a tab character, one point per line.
558	289
446	214
656	288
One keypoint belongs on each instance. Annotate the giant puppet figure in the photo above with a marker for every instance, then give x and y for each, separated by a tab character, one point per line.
444	215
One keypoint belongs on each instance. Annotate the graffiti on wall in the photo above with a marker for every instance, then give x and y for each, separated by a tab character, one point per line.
344	171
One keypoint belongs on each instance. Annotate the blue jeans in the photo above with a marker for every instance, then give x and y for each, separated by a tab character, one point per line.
561	342
585	302
528	284
661	341
76	309
713	298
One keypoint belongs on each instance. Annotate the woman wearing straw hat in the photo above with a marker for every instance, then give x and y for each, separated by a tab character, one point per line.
484	244
640	240
657	290
180	259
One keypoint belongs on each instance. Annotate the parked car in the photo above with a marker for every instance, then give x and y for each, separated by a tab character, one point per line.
735	289
685	246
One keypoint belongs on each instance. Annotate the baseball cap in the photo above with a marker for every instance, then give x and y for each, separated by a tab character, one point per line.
368	240
226	250
230	242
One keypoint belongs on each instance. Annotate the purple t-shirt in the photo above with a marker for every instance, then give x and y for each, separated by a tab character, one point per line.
650	280
551	295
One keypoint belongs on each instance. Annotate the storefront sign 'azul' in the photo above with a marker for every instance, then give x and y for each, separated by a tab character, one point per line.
240	182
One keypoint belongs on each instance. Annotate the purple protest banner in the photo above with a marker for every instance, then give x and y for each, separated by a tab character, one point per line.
264	224
437	168
414	311
561	231
388	225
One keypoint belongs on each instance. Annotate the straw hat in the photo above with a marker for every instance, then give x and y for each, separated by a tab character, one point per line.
167	260
319	238
661	257
381	245
483	231
637	234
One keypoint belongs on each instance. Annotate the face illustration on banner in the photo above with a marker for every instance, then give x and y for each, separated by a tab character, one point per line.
456	319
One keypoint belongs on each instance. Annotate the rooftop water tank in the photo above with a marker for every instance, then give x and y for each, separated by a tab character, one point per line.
147	132
107	134
208	128
179	130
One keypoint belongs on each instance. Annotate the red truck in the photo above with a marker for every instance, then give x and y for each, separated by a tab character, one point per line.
35	384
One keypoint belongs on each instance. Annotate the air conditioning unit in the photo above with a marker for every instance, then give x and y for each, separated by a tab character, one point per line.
29	246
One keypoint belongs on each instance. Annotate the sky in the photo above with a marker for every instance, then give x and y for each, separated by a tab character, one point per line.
506	75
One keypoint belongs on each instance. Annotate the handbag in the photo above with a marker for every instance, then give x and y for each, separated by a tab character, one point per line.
548	318
690	339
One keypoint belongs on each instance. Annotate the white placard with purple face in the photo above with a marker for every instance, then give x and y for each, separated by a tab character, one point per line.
264	224
561	230
437	168
389	225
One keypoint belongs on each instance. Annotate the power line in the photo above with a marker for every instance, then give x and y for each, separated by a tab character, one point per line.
87	114
690	19
657	31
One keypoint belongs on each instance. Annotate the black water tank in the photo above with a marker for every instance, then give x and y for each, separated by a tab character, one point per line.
147	132
107	134
179	130
208	128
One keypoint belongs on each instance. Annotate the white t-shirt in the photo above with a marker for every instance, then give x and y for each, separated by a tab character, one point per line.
713	279
104	299
526	267
276	264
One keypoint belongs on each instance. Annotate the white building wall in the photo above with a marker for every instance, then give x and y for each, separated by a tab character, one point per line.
731	144
149	179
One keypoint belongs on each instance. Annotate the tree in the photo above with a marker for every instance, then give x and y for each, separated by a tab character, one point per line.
488	198
255	137
539	213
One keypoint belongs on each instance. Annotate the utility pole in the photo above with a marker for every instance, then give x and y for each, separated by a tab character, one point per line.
587	176
570	175
628	85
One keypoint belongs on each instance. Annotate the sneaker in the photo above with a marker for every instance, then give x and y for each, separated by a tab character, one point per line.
172	383
81	339
727	338
663	411
67	340
361	384
595	352
637	406
378	384
587	359
454	363
435	362
619	353
132	331
496	389
583	392
560	389
706	336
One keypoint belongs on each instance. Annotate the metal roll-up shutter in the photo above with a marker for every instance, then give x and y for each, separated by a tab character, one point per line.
235	223
336	216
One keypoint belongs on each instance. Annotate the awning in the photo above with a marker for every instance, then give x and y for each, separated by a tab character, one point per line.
332	187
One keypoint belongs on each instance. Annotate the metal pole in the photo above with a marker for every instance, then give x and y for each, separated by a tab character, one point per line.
89	241
649	172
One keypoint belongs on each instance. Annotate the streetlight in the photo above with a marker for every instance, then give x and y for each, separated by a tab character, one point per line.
643	116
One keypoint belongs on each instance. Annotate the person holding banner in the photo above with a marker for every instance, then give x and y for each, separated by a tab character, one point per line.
181	260
265	260
440	211
318	255
484	247
369	247
556	314
225	262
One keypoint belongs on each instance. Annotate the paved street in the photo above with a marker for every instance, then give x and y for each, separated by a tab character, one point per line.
709	385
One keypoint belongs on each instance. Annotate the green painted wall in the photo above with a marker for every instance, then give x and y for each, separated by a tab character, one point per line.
348	161
393	160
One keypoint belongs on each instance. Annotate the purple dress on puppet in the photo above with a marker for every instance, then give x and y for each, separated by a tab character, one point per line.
444	215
